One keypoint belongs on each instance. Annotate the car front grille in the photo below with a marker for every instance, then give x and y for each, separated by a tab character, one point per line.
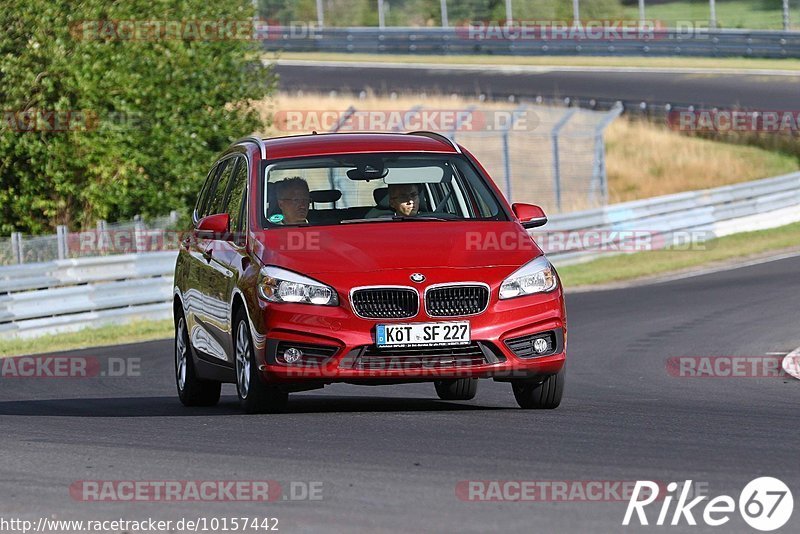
385	303
456	300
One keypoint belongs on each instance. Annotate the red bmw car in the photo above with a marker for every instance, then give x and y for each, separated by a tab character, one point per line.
367	259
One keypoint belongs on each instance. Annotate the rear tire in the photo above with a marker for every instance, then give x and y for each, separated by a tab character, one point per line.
255	396
192	391
544	395
458	389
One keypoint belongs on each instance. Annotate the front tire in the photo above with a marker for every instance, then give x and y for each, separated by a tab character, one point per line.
544	395
192	391
458	389
255	396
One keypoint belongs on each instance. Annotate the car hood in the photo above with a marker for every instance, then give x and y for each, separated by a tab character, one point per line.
369	247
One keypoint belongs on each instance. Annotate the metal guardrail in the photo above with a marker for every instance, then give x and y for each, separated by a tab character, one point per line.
667	219
125	237
461	41
66	295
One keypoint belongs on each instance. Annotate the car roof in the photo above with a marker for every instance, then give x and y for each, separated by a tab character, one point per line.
356	143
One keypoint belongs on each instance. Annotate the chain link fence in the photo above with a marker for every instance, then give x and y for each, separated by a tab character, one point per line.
550	156
559	163
105	239
741	14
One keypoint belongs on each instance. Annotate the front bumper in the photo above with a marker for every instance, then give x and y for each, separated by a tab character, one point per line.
344	339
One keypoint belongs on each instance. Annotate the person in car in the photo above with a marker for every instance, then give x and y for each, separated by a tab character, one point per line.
404	199
293	200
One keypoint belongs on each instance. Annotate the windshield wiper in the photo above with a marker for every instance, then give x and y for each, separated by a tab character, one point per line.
395	218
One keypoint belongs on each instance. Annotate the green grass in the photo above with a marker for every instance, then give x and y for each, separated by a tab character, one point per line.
643	264
749	14
89	337
551	61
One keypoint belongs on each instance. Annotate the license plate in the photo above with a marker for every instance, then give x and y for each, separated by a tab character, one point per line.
428	334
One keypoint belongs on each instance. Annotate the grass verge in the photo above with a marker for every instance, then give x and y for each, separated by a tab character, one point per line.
750	14
555	61
134	332
645	264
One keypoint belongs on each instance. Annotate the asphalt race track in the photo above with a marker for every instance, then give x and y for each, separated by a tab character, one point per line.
752	91
389	458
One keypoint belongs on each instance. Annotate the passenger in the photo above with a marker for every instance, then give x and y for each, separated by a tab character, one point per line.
293	200
404	199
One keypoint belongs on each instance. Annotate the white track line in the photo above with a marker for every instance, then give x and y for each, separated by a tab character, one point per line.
530	69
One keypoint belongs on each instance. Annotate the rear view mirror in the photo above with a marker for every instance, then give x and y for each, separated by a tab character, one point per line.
529	216
215	227
368	170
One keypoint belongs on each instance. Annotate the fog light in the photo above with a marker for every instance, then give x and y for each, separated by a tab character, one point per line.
540	345
292	355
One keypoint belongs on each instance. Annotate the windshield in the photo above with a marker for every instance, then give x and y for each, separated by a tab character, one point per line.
375	188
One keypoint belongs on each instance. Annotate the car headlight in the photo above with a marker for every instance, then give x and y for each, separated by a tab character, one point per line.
536	276
279	285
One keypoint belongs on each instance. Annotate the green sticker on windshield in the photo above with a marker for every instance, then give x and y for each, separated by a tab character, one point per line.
277	218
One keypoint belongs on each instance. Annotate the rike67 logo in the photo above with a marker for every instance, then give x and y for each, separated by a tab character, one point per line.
765	504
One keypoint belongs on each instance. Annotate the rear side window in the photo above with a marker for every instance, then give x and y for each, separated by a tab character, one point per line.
217	197
236	197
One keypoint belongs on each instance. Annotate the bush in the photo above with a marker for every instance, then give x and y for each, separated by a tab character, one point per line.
144	117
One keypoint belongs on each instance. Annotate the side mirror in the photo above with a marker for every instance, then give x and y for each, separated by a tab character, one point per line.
529	216
214	227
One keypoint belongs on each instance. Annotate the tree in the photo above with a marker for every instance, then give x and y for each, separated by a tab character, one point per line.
100	121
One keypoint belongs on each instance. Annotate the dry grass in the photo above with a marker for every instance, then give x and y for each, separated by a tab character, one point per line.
490	61
646	160
643	159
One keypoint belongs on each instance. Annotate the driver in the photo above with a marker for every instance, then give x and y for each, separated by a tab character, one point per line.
404	199
293	200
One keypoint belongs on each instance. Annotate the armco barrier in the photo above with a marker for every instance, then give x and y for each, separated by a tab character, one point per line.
726	210
66	295
463	41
